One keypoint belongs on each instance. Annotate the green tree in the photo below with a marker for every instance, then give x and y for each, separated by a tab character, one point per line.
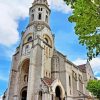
86	16
94	87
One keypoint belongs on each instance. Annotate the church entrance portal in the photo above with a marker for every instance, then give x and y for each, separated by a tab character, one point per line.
24	94
58	93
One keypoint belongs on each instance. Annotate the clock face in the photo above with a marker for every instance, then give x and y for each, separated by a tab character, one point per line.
39	27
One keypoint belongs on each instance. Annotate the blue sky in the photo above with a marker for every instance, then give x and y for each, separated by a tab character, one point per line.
65	41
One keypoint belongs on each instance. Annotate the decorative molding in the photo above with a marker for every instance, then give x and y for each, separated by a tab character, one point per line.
39	25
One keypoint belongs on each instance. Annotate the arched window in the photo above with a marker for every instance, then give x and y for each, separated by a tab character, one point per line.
32	17
46	18
40	95
27	49
39	16
49	74
29	39
69	81
46	11
46	40
46	73
25	78
44	50
33	10
38	9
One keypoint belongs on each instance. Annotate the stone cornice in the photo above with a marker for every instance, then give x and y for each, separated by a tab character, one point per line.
36	23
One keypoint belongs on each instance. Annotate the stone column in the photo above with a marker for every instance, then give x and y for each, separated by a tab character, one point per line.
83	88
11	85
50	97
36	96
43	97
77	81
53	96
16	87
30	90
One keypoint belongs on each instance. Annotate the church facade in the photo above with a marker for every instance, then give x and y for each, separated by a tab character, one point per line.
39	71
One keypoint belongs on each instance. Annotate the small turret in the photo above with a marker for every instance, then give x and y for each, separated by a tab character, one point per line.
39	12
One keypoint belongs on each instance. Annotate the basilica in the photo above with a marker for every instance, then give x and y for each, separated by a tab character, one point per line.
39	71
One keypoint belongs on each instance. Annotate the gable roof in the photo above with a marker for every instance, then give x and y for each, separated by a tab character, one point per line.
47	81
82	68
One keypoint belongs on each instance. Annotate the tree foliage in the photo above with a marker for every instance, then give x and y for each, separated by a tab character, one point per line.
86	15
94	87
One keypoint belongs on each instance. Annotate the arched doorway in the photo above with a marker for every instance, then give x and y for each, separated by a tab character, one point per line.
24	72
24	94
58	90
58	93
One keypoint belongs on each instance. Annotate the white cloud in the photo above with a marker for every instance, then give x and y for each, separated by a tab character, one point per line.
95	64
98	78
59	5
0	97
79	61
12	11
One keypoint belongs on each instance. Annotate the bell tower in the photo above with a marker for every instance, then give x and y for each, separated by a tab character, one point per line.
32	59
39	12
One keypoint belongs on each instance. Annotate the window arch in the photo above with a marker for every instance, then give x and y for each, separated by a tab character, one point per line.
38	9
32	17
29	38
39	16
46	74
25	78
69	81
27	49
49	74
46	40
46	18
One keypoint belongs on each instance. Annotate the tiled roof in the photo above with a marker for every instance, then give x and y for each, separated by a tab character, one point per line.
82	68
47	81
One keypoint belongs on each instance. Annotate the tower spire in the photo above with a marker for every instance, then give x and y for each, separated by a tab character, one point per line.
40	2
